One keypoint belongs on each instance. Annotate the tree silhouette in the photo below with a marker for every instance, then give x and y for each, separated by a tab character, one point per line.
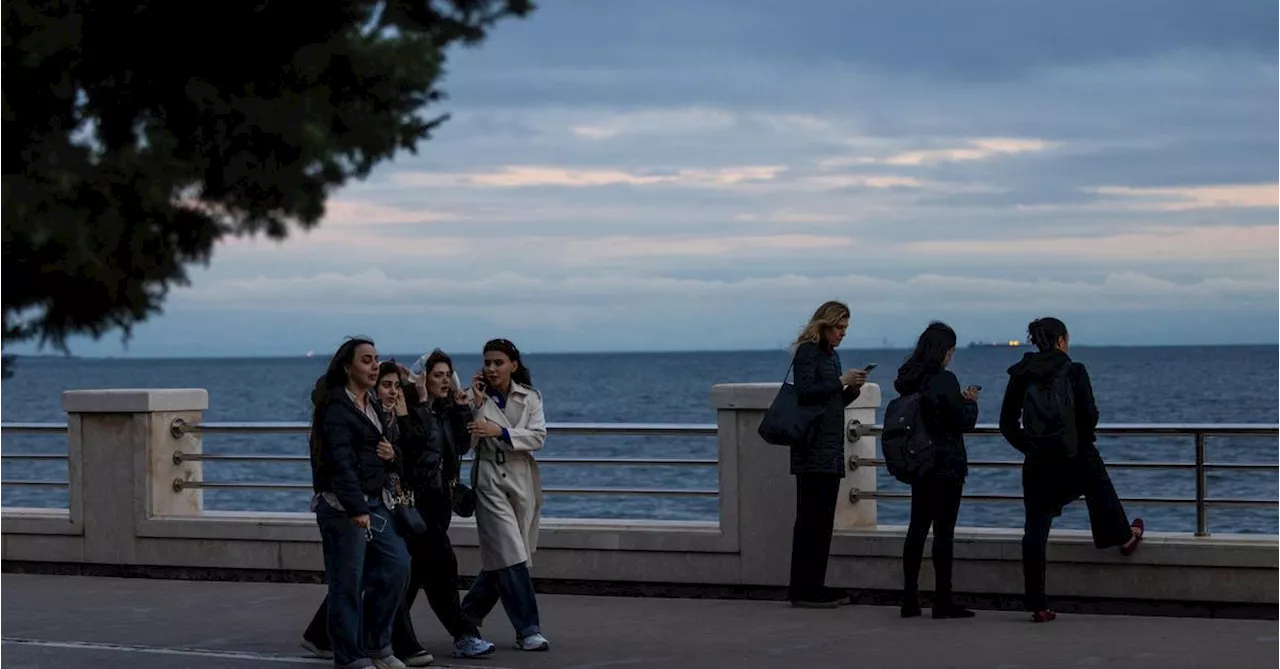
138	134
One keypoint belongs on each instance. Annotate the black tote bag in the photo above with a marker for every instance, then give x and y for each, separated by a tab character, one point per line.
787	422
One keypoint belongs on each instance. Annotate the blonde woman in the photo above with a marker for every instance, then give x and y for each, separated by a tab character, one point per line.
508	427
819	465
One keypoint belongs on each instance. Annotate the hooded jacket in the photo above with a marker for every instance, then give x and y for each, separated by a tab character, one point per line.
947	415
1040	368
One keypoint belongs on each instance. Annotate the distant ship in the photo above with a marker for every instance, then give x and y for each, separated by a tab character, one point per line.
1012	343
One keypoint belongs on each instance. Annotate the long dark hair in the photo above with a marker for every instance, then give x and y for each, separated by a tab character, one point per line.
437	356
332	381
505	347
1044	333
387	368
931	348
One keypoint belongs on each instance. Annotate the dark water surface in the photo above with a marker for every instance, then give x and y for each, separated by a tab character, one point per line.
1235	384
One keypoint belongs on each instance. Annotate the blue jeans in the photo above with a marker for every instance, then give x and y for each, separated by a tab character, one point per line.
367	571
514	586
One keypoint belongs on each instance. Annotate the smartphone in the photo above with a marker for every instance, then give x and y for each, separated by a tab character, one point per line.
869	367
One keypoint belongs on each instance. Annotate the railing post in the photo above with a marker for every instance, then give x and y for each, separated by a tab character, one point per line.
125	449
1202	488
859	446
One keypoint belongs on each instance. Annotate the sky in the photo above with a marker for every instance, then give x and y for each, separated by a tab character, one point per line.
646	175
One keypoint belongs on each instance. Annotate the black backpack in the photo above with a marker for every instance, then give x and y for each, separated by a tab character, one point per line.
1048	414
909	453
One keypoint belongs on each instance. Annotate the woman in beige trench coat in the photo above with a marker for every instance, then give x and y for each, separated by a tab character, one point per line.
509	426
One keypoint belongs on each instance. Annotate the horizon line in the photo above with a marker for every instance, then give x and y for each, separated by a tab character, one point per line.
73	356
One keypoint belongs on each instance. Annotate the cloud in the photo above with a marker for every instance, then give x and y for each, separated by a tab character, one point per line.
655	122
1165	245
375	290
971	150
343	212
529	176
924	159
1201	197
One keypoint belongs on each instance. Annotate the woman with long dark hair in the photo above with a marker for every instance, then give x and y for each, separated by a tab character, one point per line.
1049	414
366	563
947	412
819	465
433	444
508	427
390	397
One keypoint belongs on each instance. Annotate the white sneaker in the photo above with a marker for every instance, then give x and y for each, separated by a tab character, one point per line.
389	662
472	647
420	659
533	642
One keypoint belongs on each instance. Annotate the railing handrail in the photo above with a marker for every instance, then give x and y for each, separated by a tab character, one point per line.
701	429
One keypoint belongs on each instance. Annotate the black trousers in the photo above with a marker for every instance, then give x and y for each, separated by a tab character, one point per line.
1083	475
435	571
935	502
811	539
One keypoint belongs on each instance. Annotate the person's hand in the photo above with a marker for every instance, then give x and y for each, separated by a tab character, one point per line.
386	451
361	521
854	377
420	384
485	429
971	393
460	397
401	408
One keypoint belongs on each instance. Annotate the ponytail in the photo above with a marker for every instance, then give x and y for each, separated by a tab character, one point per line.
1044	333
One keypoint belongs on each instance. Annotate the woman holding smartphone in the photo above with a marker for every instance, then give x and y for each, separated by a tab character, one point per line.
434	442
507	428
947	413
352	466
819	465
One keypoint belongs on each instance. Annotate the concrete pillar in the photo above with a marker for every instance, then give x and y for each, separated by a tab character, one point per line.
122	454
765	489
862	514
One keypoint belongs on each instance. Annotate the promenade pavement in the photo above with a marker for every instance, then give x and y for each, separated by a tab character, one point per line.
110	623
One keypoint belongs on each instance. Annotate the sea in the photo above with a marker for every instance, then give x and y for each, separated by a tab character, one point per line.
1215	384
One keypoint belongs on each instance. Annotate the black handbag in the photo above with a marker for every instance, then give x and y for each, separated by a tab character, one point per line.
787	422
409	521
464	499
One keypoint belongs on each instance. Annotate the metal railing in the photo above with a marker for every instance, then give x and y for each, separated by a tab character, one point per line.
179	428
1198	432
34	428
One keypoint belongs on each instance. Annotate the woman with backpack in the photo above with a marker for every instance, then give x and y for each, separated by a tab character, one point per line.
819	465
946	413
1049	414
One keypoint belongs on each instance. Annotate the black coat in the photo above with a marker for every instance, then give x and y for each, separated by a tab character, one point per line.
947	415
817	379
346	461
1054	478
434	439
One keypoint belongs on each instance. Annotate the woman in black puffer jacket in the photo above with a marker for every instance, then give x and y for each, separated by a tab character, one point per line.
947	414
819	466
436	439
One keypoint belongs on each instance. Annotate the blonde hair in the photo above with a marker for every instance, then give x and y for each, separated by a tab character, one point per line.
826	317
